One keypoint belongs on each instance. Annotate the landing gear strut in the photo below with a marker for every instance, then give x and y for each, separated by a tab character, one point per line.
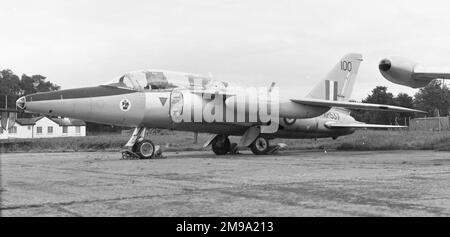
138	147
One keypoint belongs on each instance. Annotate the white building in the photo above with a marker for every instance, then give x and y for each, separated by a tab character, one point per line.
44	127
23	128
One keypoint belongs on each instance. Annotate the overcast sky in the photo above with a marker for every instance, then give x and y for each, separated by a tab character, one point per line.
295	43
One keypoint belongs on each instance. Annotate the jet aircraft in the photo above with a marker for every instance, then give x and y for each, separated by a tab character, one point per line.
405	72
158	99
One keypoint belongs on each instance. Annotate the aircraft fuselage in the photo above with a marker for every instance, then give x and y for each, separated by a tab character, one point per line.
154	109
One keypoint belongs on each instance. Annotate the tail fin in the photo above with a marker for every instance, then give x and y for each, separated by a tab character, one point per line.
339	82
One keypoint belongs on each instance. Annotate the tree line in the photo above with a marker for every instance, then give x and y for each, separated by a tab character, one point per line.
13	87
433	99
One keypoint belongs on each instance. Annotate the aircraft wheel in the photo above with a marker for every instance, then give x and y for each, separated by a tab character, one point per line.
260	146
145	149
221	145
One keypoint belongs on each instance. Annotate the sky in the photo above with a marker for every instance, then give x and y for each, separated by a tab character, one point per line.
294	43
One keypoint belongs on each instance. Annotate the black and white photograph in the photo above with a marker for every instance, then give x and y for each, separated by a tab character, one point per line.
224	109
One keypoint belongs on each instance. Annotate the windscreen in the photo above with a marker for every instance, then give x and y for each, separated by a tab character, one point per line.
159	80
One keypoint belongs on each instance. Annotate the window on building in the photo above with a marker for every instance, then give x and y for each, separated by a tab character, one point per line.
50	130
29	127
77	129
64	129
12	130
39	130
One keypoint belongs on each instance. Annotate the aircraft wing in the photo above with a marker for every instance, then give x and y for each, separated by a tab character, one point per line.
326	103
354	105
359	125
426	73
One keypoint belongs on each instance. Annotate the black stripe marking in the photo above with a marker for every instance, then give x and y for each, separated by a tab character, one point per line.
335	91
79	93
327	90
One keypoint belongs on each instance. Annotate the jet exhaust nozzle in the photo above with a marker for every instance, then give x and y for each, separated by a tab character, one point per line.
400	71
385	65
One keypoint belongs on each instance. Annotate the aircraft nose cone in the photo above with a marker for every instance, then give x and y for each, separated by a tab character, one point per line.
385	65
20	103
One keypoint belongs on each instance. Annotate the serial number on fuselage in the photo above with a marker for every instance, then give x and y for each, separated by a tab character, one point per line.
331	115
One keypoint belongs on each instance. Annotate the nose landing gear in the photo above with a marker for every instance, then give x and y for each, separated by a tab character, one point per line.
138	147
144	149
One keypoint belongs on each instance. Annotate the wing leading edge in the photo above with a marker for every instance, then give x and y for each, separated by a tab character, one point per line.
428	73
354	105
359	125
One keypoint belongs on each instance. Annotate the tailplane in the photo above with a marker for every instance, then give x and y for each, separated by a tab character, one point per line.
339	82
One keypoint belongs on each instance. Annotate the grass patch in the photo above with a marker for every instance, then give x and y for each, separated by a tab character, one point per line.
168	140
397	140
182	141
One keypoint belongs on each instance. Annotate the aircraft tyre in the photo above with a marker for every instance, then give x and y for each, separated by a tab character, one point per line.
260	146
221	145
145	149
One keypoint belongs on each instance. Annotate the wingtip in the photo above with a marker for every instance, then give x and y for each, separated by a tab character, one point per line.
415	111
420	111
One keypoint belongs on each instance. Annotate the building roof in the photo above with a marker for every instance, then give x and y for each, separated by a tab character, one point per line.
59	121
68	122
27	121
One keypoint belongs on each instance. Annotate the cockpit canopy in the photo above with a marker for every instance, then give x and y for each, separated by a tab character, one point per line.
147	80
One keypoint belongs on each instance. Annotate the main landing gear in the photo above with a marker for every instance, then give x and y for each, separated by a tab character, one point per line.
260	146
138	147
221	145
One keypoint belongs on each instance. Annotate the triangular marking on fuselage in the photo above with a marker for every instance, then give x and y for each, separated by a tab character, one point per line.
163	100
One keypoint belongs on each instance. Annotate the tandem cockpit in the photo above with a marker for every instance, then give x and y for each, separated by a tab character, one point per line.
150	80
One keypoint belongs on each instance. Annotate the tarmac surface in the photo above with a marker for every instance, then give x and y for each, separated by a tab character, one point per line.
291	183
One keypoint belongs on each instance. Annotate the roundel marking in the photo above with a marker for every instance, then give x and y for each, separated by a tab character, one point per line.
125	105
289	121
